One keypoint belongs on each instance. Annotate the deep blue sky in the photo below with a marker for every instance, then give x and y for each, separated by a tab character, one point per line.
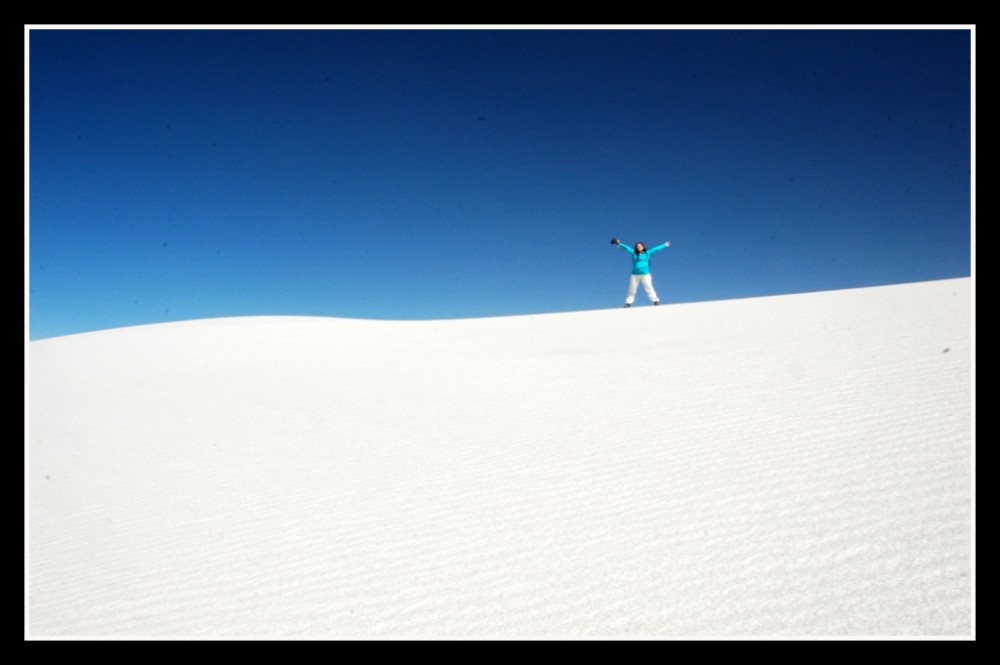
408	174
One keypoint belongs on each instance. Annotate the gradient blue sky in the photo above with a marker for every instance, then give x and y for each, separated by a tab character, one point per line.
413	174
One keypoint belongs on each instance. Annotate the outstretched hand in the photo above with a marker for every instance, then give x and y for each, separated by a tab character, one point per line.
667	243
615	241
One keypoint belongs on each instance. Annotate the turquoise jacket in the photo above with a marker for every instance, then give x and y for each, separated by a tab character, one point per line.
640	262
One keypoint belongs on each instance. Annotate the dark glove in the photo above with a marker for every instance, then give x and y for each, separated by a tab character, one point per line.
615	241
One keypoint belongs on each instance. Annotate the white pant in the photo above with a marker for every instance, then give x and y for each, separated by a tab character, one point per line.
647	283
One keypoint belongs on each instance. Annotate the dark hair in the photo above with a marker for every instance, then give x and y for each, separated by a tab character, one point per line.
637	243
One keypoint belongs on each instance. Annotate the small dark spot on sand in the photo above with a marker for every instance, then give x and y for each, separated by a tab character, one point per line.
946	349
46	477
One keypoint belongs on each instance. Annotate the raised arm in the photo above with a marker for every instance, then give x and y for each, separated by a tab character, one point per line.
658	248
619	244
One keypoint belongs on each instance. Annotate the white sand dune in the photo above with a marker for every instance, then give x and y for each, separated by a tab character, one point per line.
786	466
